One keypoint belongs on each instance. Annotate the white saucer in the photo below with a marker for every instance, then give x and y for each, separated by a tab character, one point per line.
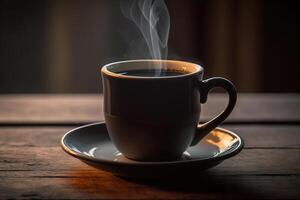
92	145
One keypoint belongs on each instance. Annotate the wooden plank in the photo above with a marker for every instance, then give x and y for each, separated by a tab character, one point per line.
32	165
81	109
110	187
265	147
24	137
249	161
256	108
268	136
50	109
255	136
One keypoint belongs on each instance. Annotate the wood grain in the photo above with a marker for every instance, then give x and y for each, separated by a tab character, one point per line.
32	165
37	149
50	109
268	136
110	187
249	161
82	109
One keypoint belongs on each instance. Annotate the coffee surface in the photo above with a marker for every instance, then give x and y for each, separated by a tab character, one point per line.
151	73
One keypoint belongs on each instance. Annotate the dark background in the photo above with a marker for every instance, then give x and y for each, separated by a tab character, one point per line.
58	46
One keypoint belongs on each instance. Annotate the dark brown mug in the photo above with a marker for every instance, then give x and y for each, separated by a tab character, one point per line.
155	118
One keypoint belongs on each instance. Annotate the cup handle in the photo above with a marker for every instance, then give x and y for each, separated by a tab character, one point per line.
204	88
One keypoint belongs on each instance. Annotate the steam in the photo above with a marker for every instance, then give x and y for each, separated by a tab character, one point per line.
153	20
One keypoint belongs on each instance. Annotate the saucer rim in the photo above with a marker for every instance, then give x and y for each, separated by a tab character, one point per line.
80	156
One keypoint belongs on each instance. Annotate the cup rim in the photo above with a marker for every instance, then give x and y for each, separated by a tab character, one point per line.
106	71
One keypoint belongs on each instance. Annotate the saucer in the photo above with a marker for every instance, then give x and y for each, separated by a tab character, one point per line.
92	145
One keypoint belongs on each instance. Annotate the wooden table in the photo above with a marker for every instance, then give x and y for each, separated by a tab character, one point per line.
33	165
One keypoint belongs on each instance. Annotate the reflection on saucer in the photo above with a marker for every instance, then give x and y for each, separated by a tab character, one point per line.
119	157
220	139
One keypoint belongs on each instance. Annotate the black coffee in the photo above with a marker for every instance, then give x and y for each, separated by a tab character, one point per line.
151	73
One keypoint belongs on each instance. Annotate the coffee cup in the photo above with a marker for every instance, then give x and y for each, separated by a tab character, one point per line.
152	107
